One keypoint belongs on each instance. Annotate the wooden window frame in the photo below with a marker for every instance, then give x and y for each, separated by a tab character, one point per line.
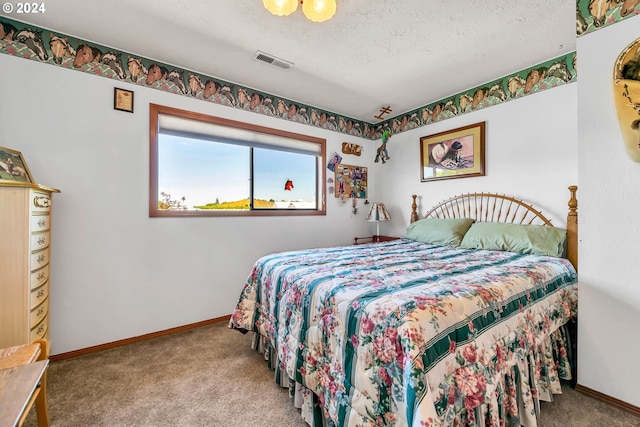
155	110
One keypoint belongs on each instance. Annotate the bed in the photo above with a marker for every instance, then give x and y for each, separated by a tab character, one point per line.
459	323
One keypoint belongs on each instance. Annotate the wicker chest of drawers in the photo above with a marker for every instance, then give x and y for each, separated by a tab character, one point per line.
25	237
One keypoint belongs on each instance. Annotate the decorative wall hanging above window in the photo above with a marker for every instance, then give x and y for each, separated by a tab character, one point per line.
351	148
314	10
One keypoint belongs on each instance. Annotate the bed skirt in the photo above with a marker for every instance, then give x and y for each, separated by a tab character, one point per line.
523	381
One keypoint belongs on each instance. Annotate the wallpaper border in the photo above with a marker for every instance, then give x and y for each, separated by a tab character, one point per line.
47	46
50	47
593	15
546	75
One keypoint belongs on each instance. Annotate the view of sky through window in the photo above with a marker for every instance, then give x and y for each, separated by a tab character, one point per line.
206	172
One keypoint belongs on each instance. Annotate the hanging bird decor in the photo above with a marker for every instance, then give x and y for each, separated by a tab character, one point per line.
288	186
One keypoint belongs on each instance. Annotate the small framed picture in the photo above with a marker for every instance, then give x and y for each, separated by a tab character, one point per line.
13	168
123	100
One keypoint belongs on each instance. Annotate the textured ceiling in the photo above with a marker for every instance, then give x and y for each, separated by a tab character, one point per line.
402	53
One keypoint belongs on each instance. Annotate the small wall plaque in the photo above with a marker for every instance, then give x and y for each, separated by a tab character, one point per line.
350	148
123	100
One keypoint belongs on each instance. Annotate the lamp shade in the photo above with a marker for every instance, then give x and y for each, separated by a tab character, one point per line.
281	7
319	10
378	212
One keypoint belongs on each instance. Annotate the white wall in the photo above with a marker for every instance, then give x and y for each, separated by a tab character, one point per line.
115	272
531	153
609	311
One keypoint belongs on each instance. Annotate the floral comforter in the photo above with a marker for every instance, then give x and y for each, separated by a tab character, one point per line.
407	334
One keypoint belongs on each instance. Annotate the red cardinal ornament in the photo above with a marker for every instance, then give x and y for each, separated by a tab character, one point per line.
288	186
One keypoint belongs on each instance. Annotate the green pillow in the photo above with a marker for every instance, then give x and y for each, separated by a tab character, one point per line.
439	231
525	239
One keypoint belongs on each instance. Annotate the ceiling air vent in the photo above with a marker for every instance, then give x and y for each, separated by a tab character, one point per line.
270	59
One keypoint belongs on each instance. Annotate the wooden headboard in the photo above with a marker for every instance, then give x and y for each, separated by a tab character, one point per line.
488	207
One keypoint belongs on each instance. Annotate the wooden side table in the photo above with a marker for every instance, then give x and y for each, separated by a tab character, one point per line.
373	239
19	389
23	377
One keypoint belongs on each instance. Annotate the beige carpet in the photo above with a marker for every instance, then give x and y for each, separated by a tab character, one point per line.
210	377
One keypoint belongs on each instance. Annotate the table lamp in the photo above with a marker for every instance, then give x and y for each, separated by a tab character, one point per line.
378	213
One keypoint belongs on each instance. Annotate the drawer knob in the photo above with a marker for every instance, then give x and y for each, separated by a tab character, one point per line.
41	202
41	275
42	223
42	240
41	258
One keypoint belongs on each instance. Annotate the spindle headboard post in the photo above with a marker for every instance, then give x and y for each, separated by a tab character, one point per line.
489	207
414	211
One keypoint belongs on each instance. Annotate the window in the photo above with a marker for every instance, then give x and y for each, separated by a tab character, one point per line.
208	166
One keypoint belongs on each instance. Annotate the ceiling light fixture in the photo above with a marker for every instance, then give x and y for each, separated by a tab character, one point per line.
314	10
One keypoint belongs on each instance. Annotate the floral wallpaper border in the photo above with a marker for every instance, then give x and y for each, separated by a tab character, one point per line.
31	42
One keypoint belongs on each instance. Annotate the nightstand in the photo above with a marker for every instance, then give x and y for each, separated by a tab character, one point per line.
373	239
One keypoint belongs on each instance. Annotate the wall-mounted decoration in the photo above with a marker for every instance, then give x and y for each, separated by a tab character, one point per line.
13	168
333	161
383	111
457	153
123	100
381	153
349	148
351	181
626	93
330	187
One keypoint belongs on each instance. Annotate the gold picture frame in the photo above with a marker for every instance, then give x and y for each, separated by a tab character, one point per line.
456	153
123	100
13	168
